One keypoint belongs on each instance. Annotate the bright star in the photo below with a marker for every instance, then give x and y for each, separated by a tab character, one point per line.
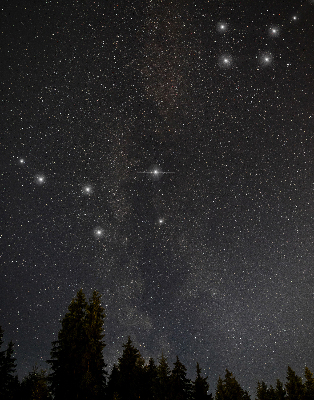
40	179
225	61
265	59
98	232
274	31
87	189
155	172
222	27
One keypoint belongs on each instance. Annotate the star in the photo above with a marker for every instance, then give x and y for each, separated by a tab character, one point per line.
225	61
40	179
265	59
222	27
98	232
155	172
87	189
274	31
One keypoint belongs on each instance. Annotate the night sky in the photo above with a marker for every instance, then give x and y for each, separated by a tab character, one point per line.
161	152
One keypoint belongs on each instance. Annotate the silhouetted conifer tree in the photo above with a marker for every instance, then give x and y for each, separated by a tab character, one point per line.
280	391
34	386
308	385
271	393
9	384
93	362
200	386
67	352
180	385
76	358
131	372
294	386
163	379
150	381
261	391
220	390
230	389
113	386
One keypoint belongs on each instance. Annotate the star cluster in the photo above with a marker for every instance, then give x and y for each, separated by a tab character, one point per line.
161	153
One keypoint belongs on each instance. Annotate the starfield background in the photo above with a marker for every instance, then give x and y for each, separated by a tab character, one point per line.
161	152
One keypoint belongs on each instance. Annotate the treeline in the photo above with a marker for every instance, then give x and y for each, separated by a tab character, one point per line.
78	370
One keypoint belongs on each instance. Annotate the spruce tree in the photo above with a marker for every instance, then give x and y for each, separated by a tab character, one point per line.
261	391
308	385
271	394
131	372
113	386
67	352
200	386
149	391
280	391
163	378
294	386
220	392
230	389
180	385
76	357
34	386
9	384
93	362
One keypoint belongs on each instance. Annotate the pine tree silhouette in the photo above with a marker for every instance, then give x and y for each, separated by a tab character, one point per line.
76	357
